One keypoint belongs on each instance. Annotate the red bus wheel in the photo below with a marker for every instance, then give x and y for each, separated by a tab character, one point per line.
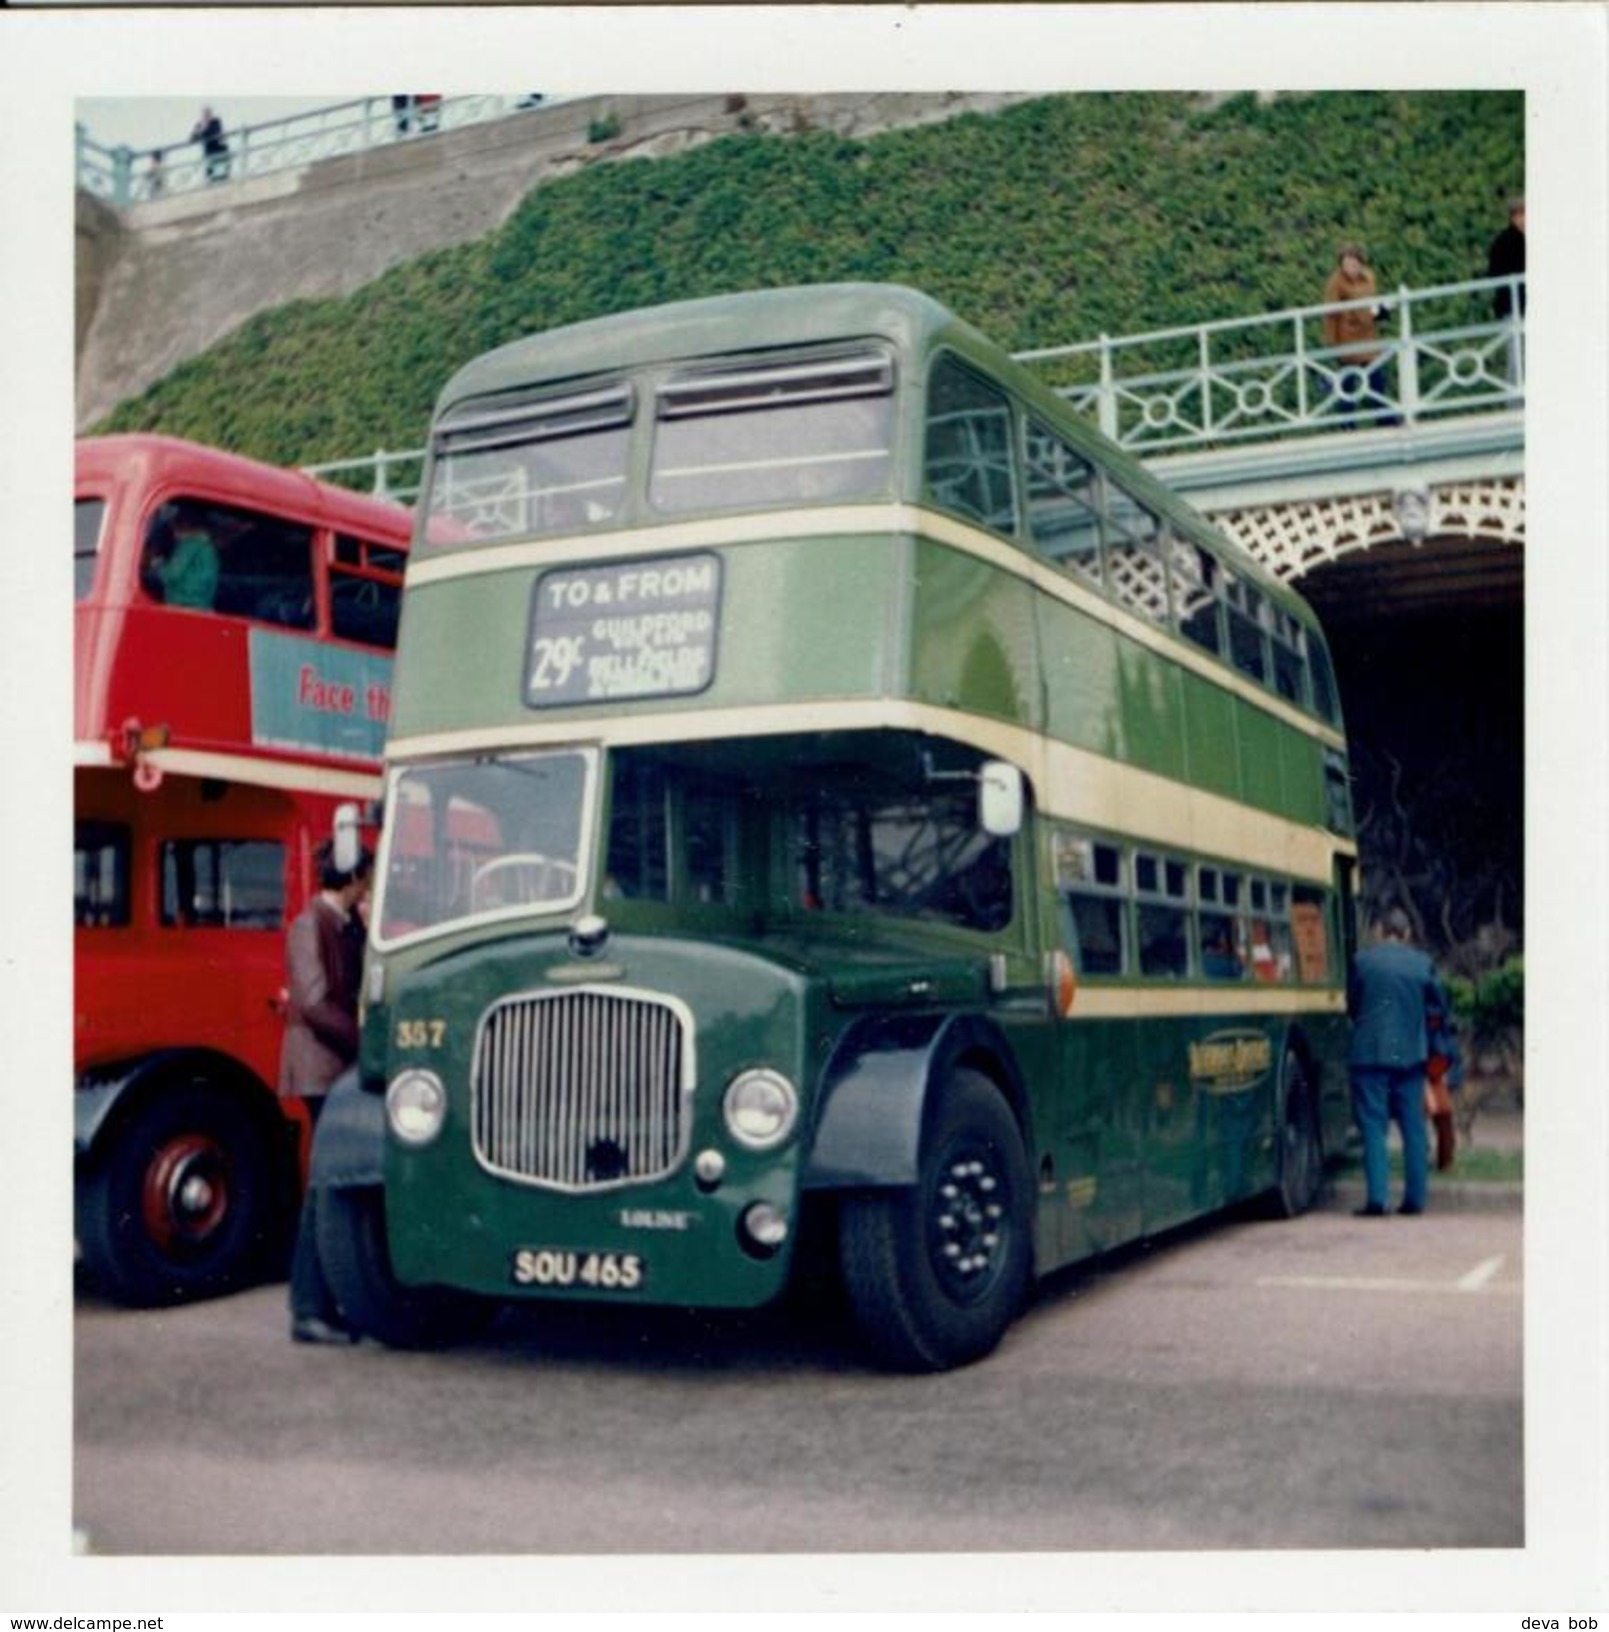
183	1200
186	1197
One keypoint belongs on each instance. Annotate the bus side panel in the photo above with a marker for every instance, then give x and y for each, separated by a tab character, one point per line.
1260	781
1302	772
1211	746
1210	1137
1082	679
1099	1138
974	641
1149	700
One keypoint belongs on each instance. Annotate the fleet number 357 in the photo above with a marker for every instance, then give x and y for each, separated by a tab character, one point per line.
421	1033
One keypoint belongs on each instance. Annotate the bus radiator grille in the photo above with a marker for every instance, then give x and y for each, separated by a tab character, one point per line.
581	1090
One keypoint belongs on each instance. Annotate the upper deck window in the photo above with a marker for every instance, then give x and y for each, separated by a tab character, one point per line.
88	517
1134	568
365	591
531	468
808	431
1063	503
224	558
968	463
1196	599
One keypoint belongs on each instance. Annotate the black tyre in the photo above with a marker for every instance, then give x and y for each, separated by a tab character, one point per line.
350	1231
935	1273
1298	1144
186	1199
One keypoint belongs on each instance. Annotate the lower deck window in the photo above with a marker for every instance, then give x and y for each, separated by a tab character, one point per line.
223	884
1162	916
100	875
912	855
1089	882
670	836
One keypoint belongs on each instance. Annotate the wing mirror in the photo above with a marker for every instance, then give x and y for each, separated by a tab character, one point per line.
347	838
1000	798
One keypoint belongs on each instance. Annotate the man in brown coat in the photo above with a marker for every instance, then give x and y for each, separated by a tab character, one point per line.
324	967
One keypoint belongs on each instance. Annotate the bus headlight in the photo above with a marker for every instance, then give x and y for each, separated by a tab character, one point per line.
760	1109
416	1106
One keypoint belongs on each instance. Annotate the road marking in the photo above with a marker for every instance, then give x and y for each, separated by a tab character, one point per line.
1481	1274
1475	1281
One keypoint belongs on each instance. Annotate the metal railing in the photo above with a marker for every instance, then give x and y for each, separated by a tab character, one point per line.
122	175
1441	351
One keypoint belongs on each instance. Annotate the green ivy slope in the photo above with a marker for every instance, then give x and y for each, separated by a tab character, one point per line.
1053	221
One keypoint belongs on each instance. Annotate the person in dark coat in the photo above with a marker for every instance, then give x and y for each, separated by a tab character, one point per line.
208	131
324	969
1506	259
1392	990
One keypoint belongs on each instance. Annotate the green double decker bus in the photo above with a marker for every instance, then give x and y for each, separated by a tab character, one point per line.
833	795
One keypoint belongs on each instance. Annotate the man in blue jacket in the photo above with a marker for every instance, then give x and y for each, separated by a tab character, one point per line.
1392	987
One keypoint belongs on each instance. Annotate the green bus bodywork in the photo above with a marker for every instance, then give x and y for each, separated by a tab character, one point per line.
771	865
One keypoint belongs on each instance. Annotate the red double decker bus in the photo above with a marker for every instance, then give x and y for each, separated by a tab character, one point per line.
233	633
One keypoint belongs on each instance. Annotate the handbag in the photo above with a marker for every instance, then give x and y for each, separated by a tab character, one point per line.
1439	1108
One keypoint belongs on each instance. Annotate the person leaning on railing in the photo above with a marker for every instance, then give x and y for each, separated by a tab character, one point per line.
208	131
1353	329
1506	259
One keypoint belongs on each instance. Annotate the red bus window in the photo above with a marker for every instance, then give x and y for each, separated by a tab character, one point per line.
88	517
100	875
366	592
223	884
221	558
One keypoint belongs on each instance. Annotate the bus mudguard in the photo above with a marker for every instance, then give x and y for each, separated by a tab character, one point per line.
875	1089
349	1146
99	1091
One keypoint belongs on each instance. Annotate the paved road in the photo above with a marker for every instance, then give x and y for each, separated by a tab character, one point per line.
1327	1383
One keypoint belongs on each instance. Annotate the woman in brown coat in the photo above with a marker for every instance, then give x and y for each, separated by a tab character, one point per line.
1354	333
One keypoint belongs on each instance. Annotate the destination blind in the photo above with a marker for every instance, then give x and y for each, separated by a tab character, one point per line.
624	630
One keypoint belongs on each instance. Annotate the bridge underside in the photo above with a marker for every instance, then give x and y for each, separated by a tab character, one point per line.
1429	647
1442	578
1421	589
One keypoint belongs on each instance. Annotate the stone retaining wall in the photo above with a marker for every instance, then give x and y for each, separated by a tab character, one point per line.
161	281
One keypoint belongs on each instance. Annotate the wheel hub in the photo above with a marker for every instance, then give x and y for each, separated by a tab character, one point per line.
966	1222
185	1196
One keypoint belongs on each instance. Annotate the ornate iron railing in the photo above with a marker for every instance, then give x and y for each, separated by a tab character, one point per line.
1441	352
121	176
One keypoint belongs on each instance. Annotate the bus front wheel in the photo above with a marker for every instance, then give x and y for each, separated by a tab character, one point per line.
182	1202
937	1271
350	1232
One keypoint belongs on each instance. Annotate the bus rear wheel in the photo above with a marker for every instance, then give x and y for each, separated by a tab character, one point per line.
1298	1143
937	1271
182	1202
351	1236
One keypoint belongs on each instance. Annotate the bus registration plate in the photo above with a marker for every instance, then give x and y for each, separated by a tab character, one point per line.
594	1271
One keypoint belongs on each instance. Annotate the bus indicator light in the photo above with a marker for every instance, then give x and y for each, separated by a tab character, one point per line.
1063	983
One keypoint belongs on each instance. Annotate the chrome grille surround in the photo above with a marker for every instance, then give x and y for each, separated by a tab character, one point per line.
583	1090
